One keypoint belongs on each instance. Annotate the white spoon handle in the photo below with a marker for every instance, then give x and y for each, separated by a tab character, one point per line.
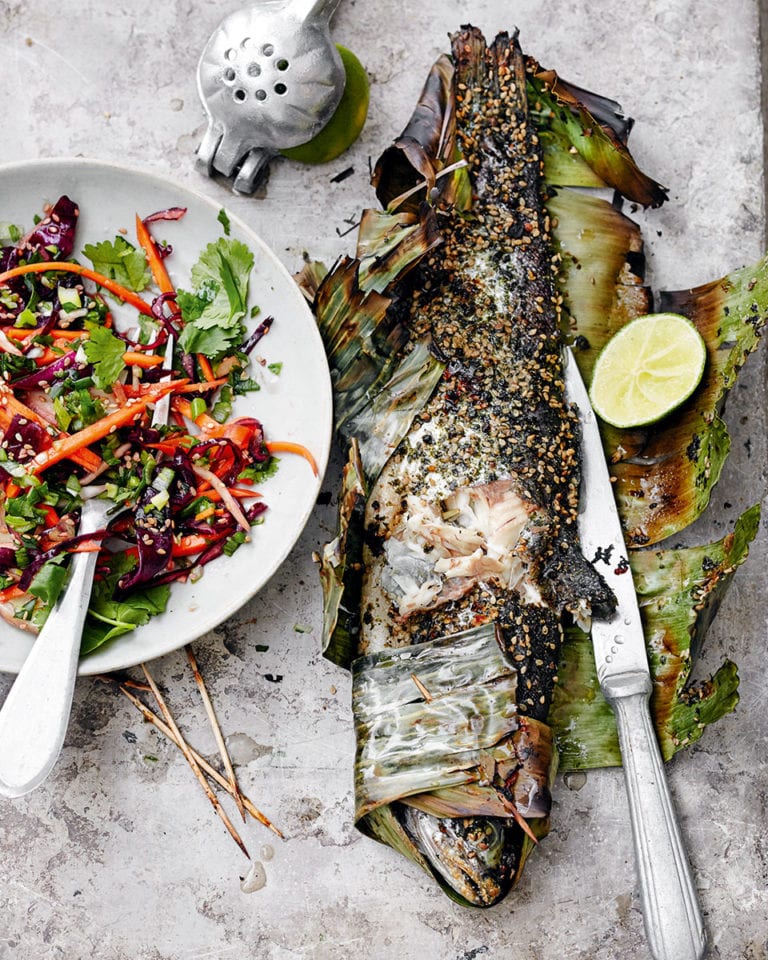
34	717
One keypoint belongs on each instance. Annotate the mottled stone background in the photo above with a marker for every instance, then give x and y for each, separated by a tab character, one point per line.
119	854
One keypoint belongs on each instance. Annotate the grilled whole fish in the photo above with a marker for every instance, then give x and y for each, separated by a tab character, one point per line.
456	566
473	519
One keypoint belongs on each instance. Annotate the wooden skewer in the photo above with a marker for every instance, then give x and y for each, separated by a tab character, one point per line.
422	689
520	820
212	772
224	753
184	747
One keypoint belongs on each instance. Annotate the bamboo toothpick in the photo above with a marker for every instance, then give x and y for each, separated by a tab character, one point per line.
151	717
223	752
184	747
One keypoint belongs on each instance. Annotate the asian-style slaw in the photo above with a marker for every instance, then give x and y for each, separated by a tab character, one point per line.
78	387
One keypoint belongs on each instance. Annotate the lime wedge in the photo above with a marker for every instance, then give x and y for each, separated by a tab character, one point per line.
647	369
345	125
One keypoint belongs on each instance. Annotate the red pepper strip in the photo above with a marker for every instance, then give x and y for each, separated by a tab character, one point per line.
12	490
191	544
51	517
59	265
11	593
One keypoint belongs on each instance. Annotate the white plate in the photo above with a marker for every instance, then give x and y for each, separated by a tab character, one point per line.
298	407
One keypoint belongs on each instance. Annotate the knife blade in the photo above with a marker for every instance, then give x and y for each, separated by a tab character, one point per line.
670	905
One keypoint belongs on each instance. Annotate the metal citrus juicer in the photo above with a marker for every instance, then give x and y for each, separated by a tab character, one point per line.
270	78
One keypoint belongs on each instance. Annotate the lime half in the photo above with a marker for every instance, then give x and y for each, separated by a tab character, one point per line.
647	369
347	121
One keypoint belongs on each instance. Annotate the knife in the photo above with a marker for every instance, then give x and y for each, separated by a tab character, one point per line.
673	920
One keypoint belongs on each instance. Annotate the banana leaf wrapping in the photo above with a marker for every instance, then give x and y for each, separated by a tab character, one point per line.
409	750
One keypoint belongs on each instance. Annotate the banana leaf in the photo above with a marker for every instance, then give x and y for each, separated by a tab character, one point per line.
664	474
341	566
584	137
679	592
437	729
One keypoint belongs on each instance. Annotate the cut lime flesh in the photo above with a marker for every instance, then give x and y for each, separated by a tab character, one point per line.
647	369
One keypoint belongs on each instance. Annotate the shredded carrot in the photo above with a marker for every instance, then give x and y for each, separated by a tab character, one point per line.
119	391
209	426
138	391
12	490
19	333
181	386
9	406
155	261
133	358
66	446
86	546
59	265
287	446
236	492
205	367
198	387
204	514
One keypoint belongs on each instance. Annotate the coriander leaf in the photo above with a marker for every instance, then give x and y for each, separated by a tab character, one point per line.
119	260
211	342
220	279
105	351
258	473
224	220
108	618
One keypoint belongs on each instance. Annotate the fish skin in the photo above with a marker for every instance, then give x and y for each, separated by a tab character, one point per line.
487	301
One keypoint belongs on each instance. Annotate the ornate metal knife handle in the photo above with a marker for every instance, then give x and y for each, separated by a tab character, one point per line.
673	921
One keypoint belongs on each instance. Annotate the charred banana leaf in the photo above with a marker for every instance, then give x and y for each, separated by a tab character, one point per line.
679	592
439	733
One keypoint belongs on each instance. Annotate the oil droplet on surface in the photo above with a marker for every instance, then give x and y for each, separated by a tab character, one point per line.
255	879
267	852
575	779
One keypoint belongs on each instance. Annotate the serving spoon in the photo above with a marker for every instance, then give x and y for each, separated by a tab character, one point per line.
35	714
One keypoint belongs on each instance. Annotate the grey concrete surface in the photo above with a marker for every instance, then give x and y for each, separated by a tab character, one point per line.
119	855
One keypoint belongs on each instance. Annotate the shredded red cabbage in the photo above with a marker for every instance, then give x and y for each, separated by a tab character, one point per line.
24	439
47	374
42	557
